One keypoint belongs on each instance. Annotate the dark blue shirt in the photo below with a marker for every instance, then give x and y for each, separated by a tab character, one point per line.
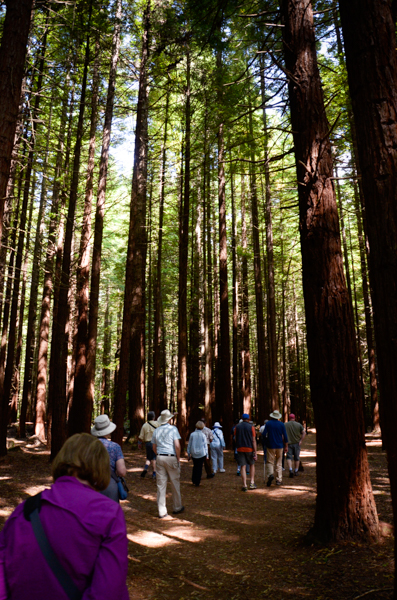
274	435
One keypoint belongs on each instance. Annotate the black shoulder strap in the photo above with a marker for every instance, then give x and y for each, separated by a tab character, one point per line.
31	511
151	425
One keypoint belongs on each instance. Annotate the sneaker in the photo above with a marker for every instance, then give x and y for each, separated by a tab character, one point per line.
144	472
278	482
154	476
291	475
296	473
180	510
211	476
244	488
162	516
269	480
238	473
252	486
222	470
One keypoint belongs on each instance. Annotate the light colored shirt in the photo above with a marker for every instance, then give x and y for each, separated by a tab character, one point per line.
88	535
208	434
218	439
164	437
197	446
147	430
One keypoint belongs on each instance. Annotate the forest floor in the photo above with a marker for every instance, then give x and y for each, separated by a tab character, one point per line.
229	544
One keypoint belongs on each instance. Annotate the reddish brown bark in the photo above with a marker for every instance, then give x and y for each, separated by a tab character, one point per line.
12	64
132	351
334	379
159	392
371	59
79	413
59	346
245	380
183	268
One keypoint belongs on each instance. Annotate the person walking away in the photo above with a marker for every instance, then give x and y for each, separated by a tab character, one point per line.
102	429
145	436
295	433
275	439
217	445
207	462
246	450
197	449
167	447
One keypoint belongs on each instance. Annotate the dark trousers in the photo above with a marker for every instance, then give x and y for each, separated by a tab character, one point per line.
197	469
208	463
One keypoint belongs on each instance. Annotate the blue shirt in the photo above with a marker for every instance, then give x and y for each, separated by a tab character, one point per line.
274	435
197	447
114	450
164	437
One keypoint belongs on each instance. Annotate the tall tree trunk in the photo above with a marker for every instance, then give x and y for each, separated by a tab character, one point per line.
59	345
208	348
32	311
20	323
263	403
12	64
79	414
235	356
245	380
99	217
107	346
272	316
158	377
44	325
183	266
132	352
224	398
193	391
5	384
342	463
372	72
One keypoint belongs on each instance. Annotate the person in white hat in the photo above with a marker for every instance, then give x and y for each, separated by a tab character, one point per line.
102	429
217	445
167	447
275	439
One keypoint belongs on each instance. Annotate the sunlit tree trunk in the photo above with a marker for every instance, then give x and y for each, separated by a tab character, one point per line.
58	365
132	352
159	395
342	463
12	64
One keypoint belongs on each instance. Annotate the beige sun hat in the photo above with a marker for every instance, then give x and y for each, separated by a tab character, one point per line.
165	416
102	426
276	414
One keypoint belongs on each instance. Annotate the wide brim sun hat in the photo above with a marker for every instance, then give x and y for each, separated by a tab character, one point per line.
102	426
217	425
165	416
275	414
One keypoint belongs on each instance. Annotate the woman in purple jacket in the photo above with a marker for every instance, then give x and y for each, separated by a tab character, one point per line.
86	532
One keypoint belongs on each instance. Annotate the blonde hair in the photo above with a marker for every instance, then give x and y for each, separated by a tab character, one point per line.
199	425
85	457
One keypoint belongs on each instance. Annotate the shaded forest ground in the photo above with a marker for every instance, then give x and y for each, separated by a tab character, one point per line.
229	544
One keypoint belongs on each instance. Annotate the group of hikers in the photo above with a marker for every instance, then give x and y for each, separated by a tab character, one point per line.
74	538
205	448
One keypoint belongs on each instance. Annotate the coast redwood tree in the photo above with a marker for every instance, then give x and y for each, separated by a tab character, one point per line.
370	46
12	65
345	506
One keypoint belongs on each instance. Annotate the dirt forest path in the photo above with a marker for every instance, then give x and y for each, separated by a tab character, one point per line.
229	544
